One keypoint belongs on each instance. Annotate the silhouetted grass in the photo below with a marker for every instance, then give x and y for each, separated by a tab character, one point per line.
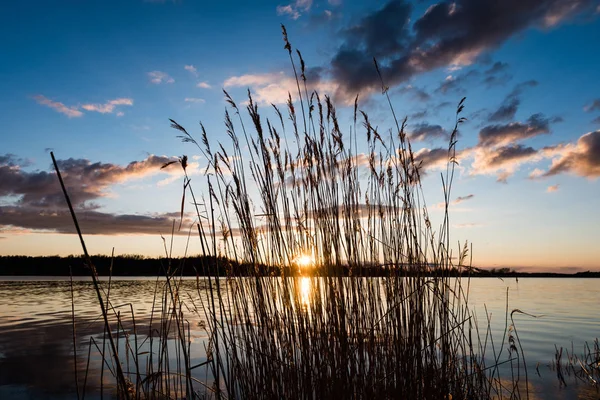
350	201
277	192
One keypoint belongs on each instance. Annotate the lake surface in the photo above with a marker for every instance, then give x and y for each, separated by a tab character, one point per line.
36	335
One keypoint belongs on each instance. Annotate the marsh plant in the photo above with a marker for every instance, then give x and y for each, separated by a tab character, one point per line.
297	193
314	213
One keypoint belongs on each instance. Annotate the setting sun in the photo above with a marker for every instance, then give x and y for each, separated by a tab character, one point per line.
305	261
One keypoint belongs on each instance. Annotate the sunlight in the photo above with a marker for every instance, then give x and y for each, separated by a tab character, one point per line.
305	261
305	290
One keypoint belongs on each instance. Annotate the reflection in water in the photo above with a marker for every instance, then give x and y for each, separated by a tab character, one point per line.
36	359
305	291
36	342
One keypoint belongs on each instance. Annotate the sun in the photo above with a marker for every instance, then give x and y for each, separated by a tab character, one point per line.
305	261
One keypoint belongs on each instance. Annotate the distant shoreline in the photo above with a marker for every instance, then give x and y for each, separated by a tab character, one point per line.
139	266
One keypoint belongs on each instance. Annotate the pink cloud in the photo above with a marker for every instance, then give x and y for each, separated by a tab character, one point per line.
158	77
109	106
70	112
203	85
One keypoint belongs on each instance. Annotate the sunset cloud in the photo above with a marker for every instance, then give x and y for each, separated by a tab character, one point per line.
497	68
109	106
581	158
35	201
460	199
158	77
511	102
194	100
449	33
70	112
273	88
429	159
191	69
467	225
415	92
552	188
498	135
456	83
502	161
92	222
424	131
593	106
86	181
203	85
294	10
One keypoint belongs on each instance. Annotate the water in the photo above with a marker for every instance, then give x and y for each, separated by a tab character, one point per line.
36	356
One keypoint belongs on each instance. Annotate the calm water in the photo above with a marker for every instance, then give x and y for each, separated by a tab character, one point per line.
36	348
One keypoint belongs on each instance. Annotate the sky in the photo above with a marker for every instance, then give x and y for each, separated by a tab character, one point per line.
97	81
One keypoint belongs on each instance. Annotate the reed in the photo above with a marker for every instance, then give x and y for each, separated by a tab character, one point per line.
312	212
284	195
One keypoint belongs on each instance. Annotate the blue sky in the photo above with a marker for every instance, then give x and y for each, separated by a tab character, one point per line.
97	81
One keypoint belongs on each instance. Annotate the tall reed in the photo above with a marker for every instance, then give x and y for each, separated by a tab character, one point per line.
312	213
280	193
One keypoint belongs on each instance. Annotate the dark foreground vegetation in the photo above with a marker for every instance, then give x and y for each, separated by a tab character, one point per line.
300	192
137	265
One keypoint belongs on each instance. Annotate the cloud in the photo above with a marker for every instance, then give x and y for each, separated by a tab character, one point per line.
581	158
324	17
424	131
596	120
194	100
86	181
92	222
419	114
273	88
449	33
460	199
70	112
203	85
498	151
191	69
496	68
429	159
593	106
552	188
510	105
35	200
506	111
417	93
455	83
508	154
158	77
497	135
496	80
467	225
288	10
443	104
12	160
109	106
502	161
294	10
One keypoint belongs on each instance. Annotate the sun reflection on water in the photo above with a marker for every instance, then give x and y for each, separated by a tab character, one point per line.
305	288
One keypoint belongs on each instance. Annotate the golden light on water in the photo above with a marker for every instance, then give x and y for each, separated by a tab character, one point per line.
304	263
305	290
